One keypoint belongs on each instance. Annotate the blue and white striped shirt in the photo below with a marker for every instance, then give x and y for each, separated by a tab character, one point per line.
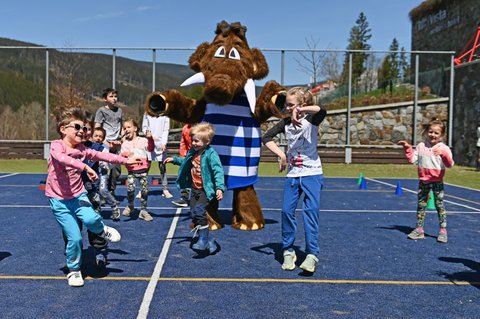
237	141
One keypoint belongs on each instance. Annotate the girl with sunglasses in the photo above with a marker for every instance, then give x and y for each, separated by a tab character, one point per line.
65	189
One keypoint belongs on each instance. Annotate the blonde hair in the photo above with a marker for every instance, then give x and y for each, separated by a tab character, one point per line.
302	95
204	131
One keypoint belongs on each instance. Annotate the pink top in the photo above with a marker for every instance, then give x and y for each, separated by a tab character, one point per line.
139	147
431	168
65	165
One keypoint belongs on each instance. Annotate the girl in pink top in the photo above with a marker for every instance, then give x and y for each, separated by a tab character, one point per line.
65	190
136	146
432	157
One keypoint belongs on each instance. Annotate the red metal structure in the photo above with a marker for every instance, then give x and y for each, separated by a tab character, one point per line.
469	54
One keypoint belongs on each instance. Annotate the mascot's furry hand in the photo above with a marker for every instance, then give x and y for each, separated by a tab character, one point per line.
156	104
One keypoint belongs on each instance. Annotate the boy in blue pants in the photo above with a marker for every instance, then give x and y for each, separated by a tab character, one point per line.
202	172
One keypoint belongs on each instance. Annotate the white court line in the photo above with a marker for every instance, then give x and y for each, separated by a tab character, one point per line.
152	285
415	192
13	174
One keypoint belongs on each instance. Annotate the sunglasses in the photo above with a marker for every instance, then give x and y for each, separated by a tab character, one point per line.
78	127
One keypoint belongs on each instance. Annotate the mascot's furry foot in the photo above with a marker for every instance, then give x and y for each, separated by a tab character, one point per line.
247	213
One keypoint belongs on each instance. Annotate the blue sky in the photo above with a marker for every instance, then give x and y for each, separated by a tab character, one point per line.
271	24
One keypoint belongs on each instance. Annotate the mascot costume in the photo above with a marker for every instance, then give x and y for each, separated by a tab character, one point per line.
227	67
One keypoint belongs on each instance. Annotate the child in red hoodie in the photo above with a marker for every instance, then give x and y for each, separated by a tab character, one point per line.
136	146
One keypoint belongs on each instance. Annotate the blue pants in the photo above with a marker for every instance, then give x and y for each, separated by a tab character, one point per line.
66	212
294	187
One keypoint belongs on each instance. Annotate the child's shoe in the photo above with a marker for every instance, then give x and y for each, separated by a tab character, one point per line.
100	260
289	259
180	202
442	236
167	194
127	211
111	234
75	278
202	241
115	213
310	263
212	245
145	215
417	233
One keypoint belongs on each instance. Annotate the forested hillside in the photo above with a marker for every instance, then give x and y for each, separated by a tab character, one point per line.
75	76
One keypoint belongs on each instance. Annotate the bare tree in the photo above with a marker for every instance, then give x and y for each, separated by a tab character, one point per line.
311	60
316	63
69	84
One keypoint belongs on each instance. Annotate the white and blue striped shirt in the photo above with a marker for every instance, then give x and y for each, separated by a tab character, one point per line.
237	141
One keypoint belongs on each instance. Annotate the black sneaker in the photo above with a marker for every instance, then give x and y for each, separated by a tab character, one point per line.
180	202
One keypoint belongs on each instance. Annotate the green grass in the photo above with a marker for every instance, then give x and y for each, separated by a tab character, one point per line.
458	175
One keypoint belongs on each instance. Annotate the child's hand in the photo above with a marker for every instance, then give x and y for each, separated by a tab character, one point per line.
168	160
403	143
92	175
148	134
219	194
296	117
282	163
437	151
133	160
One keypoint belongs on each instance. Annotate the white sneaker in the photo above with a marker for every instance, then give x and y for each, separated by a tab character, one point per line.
111	234
310	263
167	194
75	279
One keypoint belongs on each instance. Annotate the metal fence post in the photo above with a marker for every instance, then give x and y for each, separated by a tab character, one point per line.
348	150
282	68
46	145
415	103
154	64
450	104
114	54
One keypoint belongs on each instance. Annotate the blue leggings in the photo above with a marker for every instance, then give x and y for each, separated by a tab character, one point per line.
67	212
294	188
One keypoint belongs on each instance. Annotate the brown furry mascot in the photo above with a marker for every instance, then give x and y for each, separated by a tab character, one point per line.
227	66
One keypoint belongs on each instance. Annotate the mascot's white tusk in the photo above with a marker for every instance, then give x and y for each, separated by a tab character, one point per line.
194	79
249	89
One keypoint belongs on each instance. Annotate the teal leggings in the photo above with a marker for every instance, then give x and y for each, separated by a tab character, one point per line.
67	212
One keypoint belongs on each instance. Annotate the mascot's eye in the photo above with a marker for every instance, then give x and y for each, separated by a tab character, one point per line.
220	53
234	54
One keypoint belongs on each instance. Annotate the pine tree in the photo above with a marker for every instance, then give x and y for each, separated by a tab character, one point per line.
389	72
405	70
359	36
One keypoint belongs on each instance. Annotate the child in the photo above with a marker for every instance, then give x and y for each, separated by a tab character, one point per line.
304	175
185	144
202	171
110	117
98	137
137	146
432	157
66	192
159	127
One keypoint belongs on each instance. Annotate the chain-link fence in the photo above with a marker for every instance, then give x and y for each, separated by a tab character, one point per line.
373	97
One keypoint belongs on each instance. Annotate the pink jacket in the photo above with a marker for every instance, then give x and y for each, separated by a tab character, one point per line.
431	168
65	166
139	147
